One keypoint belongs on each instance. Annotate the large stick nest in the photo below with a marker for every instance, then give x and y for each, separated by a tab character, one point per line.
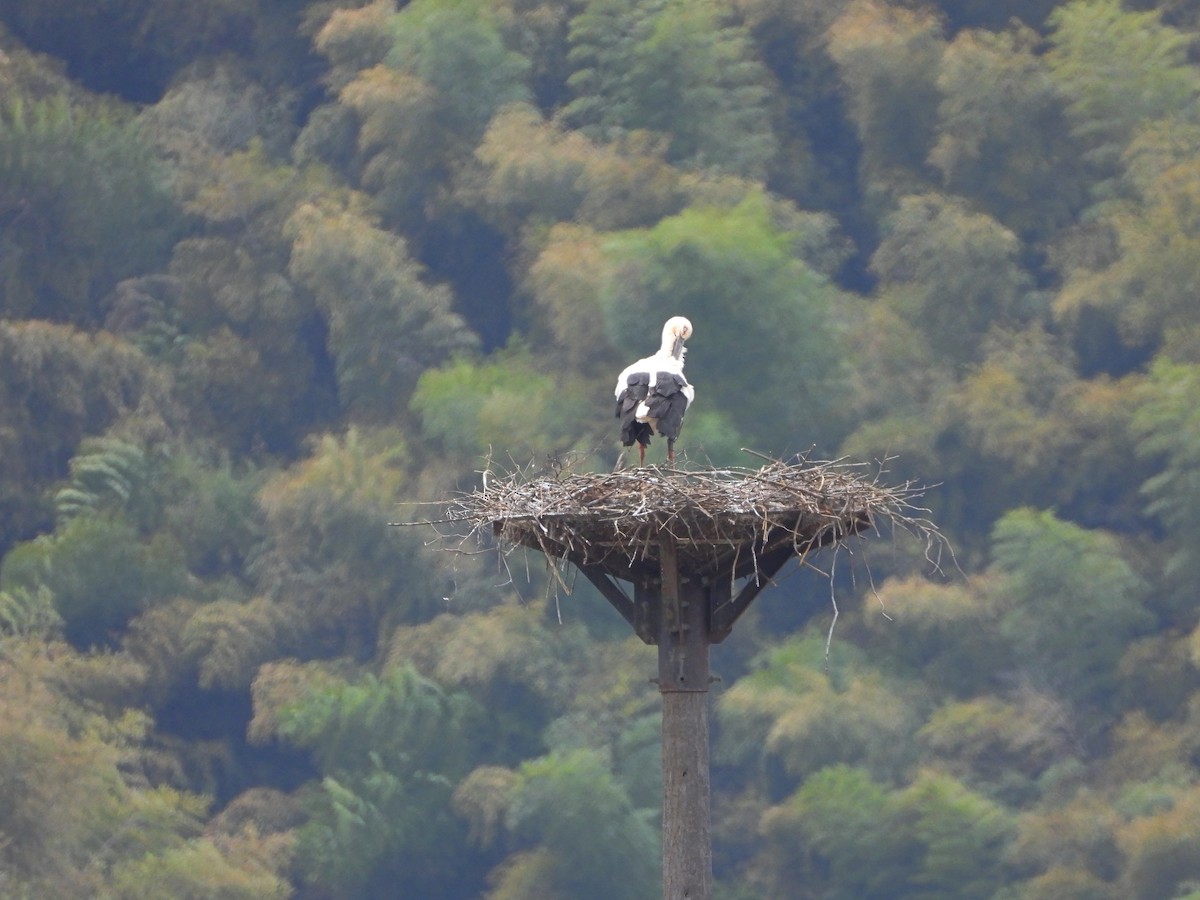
713	515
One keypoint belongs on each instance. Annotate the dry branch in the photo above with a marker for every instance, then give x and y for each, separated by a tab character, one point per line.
717	516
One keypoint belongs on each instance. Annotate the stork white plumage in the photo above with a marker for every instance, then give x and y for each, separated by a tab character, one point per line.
653	394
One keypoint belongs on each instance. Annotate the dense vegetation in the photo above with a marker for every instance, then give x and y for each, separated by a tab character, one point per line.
269	267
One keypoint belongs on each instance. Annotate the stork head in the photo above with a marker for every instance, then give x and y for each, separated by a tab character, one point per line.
675	332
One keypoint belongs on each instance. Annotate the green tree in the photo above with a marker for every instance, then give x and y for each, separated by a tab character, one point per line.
230	640
1020	426
215	110
508	405
1002	135
960	837
1001	746
1075	603
981	14
565	284
133	48
82	205
213	514
934	838
888	57
457	49
1072	846
78	817
536	172
99	573
833	836
1118	70
344	578
249	344
1160	238
1143	284
107	474
620	720
385	325
1162	862
818	156
57	386
952	272
26	612
676	69
424	106
789	714
598	845
896	401
1008	404
945	634
1067	884
194	871
505	657
1165	425
238	397
390	749
354	40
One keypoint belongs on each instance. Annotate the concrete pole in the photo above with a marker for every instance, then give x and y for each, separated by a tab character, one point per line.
683	679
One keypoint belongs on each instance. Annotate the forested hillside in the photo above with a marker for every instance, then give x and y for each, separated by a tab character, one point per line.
270	267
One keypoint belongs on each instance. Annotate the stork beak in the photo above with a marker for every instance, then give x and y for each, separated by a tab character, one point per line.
677	347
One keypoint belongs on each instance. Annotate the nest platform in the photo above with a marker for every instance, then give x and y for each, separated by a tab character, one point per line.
696	545
717	519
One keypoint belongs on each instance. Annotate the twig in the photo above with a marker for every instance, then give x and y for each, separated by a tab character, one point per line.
618	518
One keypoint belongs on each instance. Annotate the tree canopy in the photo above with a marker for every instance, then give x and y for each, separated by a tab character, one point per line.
272	271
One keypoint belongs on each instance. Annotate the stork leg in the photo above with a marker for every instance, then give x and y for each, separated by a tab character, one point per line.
641	454
671	452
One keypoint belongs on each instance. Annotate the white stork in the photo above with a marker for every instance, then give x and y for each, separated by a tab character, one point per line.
653	395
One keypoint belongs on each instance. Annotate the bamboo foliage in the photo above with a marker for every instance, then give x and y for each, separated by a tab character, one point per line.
268	269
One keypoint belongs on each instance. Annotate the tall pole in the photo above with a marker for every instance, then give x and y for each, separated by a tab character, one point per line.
683	679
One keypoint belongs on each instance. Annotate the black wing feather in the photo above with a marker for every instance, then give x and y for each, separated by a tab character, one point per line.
667	403
637	386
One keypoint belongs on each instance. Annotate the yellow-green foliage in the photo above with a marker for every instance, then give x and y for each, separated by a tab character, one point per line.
269	271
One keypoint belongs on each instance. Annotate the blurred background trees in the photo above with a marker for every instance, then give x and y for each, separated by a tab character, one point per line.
269	270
